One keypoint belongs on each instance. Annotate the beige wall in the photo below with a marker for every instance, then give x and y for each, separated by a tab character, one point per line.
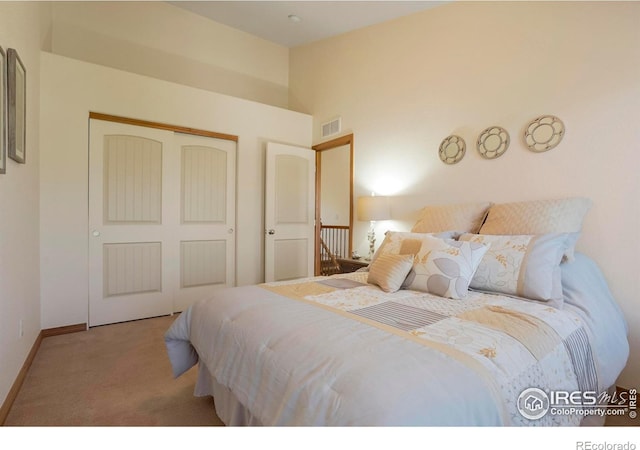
403	86
43	251
23	26
163	41
70	90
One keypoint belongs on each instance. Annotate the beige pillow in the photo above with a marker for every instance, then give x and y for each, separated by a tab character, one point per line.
466	218
564	215
389	271
407	243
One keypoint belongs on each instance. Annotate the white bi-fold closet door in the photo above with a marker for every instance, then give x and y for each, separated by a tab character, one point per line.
161	220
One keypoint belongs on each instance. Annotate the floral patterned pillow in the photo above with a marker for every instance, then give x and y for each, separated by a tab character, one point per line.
526	266
445	267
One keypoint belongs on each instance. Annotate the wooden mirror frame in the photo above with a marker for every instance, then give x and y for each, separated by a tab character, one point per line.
337	142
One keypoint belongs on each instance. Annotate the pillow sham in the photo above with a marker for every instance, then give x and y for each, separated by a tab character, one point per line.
465	217
564	215
408	243
526	266
389	271
445	267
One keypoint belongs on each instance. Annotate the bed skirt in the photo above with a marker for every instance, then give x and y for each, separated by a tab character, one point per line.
228	408
233	413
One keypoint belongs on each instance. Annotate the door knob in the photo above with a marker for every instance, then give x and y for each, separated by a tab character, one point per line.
271	231
95	233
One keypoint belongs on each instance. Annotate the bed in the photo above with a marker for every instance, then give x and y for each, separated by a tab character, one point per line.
473	327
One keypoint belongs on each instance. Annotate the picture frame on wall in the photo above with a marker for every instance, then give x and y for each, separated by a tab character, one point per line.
17	107
3	111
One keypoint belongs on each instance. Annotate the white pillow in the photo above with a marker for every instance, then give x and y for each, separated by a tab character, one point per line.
526	266
389	271
445	267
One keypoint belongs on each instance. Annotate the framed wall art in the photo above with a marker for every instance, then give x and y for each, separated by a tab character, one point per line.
17	107
3	111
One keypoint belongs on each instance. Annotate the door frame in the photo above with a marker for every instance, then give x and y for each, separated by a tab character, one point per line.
319	148
162	126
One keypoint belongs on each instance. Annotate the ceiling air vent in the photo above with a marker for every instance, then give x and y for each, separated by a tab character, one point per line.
331	127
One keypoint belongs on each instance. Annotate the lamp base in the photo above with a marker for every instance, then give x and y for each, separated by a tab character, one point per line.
371	236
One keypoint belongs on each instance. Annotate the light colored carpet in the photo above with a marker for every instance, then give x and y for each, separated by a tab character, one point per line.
114	375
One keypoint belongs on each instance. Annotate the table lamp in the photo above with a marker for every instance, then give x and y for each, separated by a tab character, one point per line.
372	209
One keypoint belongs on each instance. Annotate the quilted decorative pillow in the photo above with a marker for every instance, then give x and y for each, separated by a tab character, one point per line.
525	266
389	271
445	267
467	218
539	217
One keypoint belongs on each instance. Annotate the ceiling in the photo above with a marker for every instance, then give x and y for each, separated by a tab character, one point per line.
318	19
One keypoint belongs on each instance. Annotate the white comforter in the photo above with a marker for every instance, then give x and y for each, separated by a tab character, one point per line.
305	353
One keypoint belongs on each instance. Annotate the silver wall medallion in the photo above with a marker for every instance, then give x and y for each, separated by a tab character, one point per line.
544	133
493	142
452	149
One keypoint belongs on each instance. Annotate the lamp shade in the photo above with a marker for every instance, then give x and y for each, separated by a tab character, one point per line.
374	208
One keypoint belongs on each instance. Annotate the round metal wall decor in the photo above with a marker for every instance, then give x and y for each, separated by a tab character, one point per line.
493	142
452	149
544	133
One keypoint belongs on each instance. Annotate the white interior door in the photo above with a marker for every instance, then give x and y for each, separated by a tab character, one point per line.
289	212
207	217
161	215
